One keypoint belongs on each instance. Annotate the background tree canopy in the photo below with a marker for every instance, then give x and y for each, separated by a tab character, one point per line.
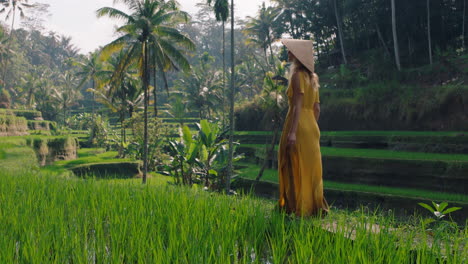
354	44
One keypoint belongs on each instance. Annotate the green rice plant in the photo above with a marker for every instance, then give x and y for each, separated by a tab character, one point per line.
378	153
51	219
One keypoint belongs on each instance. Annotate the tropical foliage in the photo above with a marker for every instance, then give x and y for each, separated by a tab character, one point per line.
148	37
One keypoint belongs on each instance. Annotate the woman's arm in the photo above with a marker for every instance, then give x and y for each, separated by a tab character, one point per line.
298	98
317	111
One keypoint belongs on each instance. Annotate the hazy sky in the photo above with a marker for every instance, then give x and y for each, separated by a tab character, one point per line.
77	18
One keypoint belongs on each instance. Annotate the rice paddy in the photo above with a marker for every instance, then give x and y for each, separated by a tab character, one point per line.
46	219
250	171
380	154
52	217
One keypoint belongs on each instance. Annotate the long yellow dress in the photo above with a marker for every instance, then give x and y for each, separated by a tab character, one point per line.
300	167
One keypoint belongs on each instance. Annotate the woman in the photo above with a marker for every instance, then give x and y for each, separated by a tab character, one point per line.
299	158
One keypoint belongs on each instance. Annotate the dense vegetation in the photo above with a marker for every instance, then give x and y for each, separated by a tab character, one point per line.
366	77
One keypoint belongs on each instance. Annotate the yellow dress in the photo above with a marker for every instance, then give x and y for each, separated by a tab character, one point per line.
300	167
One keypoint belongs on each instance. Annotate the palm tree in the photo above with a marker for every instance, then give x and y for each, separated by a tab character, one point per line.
177	108
287	14
66	94
91	70
260	29
274	103
221	9
201	86
4	52
149	28
31	82
10	7
44	95
122	95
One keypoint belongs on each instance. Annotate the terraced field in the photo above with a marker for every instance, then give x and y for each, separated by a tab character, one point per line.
369	162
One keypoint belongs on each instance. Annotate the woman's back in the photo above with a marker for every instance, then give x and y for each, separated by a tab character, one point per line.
308	88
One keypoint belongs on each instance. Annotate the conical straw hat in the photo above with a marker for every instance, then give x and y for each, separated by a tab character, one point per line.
303	50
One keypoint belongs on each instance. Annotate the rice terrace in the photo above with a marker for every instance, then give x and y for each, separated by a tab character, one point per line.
180	131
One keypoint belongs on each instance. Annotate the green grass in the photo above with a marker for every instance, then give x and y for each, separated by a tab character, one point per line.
86	156
380	154
251	171
246	133
21	140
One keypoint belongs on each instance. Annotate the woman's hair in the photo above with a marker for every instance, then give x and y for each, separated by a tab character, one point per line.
297	66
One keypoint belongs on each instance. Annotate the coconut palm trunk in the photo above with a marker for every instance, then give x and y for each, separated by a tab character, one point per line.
145	87
429	30
224	75
395	37
340	32
94	96
155	105
231	110
464	24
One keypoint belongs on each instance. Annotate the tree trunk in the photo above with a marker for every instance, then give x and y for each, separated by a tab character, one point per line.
122	136
130	111
395	37
266	56
379	34
10	39
124	131
272	58
268	154
30	95
231	110
145	103
64	114
154	88
429	31
224	77
340	32
464	24
94	96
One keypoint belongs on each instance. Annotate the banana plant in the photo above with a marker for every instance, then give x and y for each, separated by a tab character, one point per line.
211	141
201	158
184	154
219	164
439	210
440	228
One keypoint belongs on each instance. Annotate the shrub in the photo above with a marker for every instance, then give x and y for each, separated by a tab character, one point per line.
28	114
156	137
5	99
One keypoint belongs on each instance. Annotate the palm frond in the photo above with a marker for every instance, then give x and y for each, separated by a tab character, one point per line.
112	13
175	35
177	58
115	46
